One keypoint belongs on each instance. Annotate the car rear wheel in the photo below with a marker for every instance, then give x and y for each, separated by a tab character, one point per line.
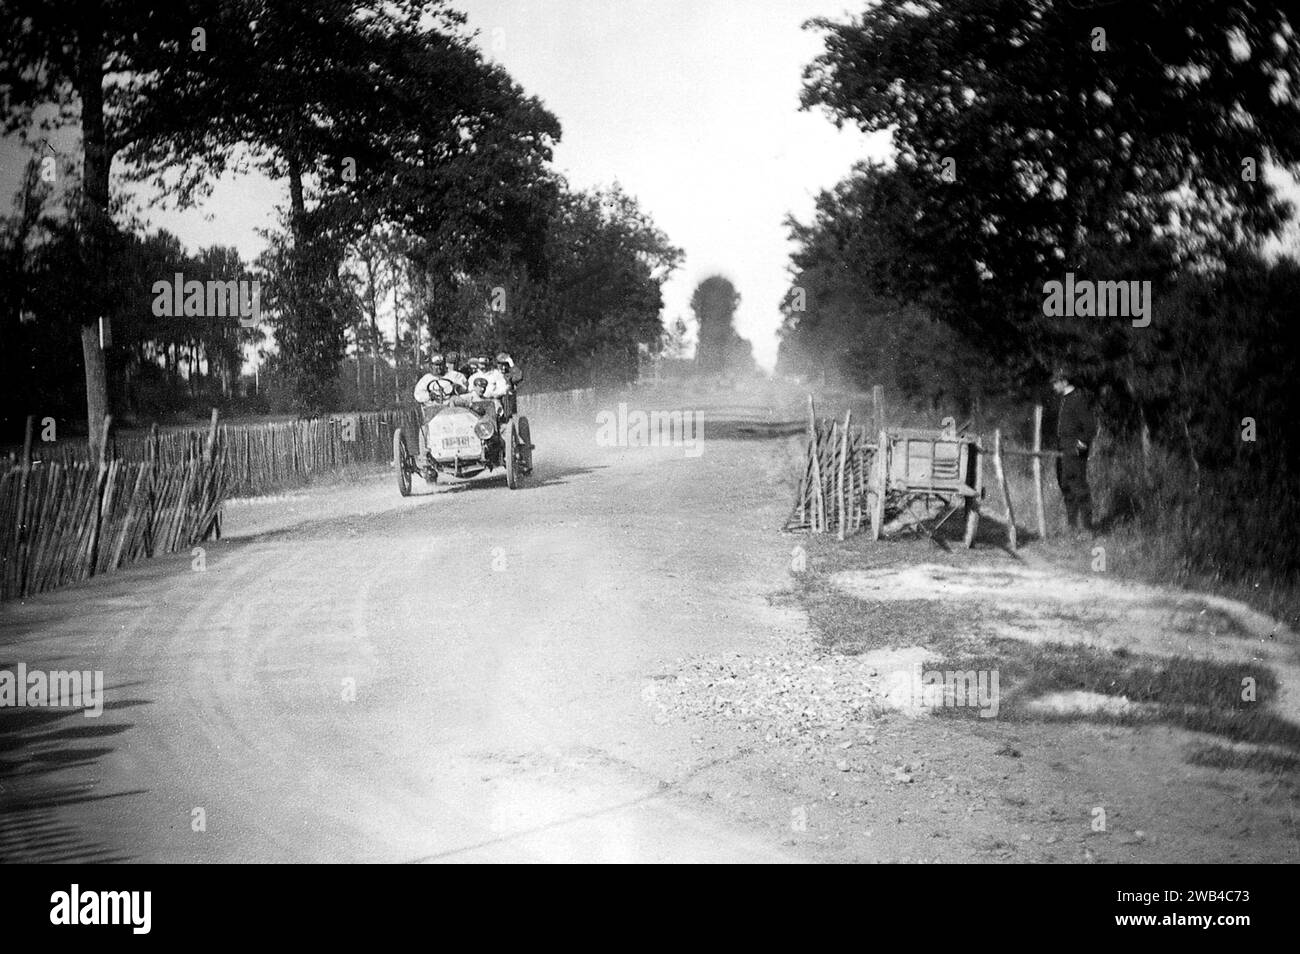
525	447
512	456
401	463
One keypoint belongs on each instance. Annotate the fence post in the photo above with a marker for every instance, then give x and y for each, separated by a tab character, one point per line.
1038	472
819	501
973	513
101	484
844	453
1006	491
210	447
152	512
21	554
878	407
208	481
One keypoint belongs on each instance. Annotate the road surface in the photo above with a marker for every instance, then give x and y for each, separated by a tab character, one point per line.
455	676
613	663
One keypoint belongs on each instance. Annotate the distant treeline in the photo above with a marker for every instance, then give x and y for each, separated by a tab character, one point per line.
422	213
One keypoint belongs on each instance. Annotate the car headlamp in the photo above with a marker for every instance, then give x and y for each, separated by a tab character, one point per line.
483	429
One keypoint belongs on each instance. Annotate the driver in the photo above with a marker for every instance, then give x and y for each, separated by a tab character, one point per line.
454	376
437	384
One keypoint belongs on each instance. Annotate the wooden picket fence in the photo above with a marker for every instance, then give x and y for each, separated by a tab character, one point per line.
839	456
832	491
64	518
65	522
261	458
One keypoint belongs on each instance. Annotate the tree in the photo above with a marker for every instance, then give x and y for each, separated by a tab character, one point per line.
1051	136
581	313
93	61
675	336
720	350
848	318
309	307
374	115
370	279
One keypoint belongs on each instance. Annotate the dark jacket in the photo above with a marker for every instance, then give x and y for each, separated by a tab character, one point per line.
1075	422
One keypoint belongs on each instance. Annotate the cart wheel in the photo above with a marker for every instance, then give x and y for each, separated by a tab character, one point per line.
525	447
512	454
972	521
402	463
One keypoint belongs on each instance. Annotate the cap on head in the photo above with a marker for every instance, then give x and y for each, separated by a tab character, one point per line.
437	359
503	358
1060	374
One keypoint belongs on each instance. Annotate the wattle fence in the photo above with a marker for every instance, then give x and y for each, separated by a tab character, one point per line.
65	522
262	458
64	518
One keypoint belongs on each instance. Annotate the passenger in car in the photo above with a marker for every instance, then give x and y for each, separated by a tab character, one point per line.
476	398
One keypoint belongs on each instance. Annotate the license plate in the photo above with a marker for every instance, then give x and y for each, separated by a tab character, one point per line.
455	443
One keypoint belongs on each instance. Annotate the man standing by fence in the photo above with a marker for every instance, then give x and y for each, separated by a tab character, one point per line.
1075	427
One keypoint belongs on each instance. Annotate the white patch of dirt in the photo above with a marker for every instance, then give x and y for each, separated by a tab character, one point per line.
1078	702
1040	604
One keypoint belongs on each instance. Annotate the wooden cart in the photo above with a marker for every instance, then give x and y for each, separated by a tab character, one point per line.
913	465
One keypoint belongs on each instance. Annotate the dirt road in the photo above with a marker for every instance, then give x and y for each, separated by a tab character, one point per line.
353	676
474	674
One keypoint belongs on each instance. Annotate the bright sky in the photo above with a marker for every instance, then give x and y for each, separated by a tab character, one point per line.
691	105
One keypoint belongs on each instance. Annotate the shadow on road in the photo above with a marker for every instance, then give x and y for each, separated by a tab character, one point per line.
542	477
36	745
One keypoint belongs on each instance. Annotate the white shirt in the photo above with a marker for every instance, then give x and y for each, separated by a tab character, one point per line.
421	391
436	387
497	385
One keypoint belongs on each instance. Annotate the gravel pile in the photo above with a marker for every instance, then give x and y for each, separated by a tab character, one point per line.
790	696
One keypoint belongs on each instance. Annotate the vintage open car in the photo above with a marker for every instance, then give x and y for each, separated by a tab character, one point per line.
461	441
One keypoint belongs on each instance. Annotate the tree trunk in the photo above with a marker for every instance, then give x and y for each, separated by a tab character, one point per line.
96	389
397	340
372	294
94	217
297	204
1146	443
1191	449
374	361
